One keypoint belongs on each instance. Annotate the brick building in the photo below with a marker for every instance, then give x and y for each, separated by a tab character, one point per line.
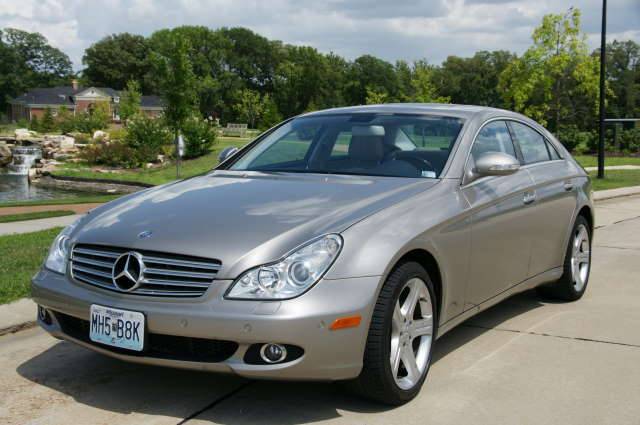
76	100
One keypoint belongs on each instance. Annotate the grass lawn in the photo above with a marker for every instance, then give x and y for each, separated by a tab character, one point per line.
80	199
615	179
34	215
20	258
592	160
161	175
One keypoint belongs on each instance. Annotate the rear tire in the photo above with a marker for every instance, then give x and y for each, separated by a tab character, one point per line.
577	266
404	323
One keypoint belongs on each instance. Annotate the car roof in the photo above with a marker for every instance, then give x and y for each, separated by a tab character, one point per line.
460	111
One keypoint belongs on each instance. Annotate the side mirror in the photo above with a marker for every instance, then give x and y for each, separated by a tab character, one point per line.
227	153
496	164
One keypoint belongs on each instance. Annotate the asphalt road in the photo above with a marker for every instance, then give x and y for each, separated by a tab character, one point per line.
525	361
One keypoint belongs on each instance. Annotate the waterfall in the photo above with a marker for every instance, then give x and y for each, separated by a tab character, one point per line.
23	159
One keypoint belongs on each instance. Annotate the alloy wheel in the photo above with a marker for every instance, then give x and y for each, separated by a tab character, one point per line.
580	257
411	334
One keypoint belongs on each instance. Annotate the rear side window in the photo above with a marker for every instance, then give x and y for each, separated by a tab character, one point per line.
494	137
552	151
532	144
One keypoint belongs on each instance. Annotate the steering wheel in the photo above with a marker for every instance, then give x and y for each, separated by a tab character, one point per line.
420	163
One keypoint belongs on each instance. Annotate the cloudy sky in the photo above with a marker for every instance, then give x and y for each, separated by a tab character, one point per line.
391	29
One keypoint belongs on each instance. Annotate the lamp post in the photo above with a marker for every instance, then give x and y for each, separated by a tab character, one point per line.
603	44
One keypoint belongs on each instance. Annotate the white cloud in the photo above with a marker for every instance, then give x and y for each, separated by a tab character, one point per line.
399	29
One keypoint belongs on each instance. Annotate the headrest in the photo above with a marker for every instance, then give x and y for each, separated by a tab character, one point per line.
367	130
366	148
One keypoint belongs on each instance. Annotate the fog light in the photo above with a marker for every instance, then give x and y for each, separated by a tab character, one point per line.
273	353
44	316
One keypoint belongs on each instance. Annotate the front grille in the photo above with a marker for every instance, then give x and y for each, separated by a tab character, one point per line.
156	345
162	274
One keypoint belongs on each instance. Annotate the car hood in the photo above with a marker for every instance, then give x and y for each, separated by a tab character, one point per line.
242	219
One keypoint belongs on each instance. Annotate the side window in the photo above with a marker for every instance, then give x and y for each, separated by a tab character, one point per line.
341	146
552	150
532	144
493	137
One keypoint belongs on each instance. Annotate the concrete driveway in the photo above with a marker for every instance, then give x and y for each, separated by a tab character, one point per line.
525	361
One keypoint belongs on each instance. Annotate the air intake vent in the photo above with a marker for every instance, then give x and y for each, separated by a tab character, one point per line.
142	272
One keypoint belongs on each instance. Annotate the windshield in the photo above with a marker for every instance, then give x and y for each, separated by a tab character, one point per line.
415	146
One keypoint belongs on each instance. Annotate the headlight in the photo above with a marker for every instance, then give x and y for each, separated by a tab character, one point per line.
59	251
291	276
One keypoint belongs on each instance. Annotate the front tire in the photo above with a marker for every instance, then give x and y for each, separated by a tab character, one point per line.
577	266
401	336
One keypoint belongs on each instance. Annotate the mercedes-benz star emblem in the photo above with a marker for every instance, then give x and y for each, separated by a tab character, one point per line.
145	234
128	271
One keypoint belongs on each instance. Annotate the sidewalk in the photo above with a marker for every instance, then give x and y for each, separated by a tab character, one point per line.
76	208
615	167
36	225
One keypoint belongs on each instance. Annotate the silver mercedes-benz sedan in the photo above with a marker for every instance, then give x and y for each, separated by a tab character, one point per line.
339	245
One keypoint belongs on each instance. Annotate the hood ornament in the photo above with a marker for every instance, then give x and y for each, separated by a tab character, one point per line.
145	234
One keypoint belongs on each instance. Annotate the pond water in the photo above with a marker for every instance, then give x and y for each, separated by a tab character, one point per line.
17	188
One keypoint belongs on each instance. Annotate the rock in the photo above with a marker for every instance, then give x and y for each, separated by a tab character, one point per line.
148	165
59	156
23	133
99	134
63	142
5	155
161	159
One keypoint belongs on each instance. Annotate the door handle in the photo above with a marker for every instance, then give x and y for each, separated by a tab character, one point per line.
568	185
529	197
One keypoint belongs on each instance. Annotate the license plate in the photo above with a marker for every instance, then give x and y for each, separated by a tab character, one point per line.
118	328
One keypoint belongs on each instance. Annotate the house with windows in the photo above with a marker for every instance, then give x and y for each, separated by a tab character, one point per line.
77	100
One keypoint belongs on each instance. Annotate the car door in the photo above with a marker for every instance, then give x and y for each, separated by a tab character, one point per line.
555	197
500	233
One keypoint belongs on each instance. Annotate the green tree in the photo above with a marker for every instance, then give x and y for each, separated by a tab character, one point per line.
130	101
370	74
117	59
375	97
48	123
474	80
556	80
65	120
27	60
423	89
176	80
251	106
623	75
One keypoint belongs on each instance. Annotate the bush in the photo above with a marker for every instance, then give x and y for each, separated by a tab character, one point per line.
34	125
146	137
630	140
576	140
66	121
98	119
199	135
114	154
22	123
117	134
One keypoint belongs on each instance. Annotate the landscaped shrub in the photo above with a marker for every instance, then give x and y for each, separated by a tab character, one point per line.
577	141
199	135
630	140
66	121
113	154
117	134
97	119
146	137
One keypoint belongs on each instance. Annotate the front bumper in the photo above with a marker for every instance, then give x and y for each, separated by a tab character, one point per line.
303	322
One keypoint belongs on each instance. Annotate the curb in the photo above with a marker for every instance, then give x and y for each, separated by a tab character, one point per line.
603	195
19	314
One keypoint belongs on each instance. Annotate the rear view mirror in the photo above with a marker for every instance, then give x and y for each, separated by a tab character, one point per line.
227	153
496	164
